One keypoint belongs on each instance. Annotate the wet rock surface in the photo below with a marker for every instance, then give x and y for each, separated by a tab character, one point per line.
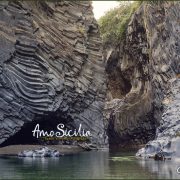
167	141
41	152
50	63
140	72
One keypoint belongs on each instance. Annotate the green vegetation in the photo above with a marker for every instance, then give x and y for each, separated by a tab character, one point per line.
156	2
114	23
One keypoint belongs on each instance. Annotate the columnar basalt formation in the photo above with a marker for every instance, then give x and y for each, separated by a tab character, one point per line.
50	63
140	72
52	71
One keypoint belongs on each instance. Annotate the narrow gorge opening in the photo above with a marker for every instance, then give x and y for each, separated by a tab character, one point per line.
47	123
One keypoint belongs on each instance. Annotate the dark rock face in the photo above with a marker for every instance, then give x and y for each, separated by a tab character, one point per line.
167	141
140	73
50	63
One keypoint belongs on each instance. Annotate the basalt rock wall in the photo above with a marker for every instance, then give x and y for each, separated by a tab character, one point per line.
51	63
140	71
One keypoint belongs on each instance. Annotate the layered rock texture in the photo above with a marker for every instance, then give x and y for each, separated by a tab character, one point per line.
52	71
51	67
141	69
167	141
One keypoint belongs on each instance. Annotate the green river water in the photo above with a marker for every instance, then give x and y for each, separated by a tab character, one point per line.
87	165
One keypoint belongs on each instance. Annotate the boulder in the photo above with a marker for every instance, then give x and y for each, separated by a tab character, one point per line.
41	152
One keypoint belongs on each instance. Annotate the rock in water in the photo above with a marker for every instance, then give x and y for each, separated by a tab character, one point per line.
51	64
41	152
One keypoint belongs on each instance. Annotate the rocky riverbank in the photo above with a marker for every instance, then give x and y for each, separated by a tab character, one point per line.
13	150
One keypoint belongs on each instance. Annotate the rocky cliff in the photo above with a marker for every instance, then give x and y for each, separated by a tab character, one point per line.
51	67
141	70
167	140
52	71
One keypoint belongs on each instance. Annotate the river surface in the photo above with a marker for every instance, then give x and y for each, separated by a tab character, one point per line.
90	165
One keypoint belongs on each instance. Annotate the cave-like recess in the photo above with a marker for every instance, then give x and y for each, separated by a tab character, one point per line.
46	123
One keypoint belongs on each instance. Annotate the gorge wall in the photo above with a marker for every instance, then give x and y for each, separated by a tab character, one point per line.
52	71
141	74
51	67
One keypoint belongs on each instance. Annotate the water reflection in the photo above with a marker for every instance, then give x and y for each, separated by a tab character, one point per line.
8	169
164	169
88	165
